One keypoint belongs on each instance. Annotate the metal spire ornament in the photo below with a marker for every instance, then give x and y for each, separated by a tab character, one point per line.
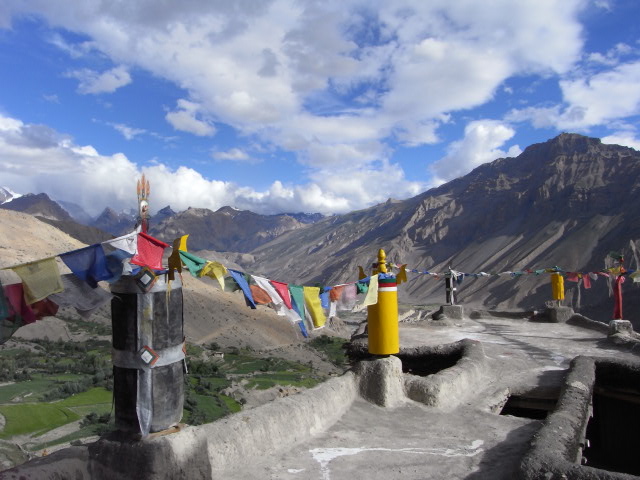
143	190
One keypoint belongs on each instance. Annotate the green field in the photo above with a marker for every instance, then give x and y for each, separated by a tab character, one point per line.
332	347
50	384
34	418
93	396
33	388
268	380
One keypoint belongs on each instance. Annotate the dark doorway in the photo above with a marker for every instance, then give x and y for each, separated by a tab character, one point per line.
613	432
528	406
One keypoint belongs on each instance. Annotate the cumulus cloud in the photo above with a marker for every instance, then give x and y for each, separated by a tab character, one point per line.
392	70
627	138
589	100
185	119
612	56
38	159
481	143
92	82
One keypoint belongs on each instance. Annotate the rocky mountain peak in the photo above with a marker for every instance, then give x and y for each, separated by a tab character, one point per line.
39	205
6	195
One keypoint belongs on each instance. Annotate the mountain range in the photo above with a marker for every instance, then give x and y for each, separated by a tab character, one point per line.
566	202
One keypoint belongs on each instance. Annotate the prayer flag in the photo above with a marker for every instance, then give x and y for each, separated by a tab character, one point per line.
336	293
44	308
127	243
193	263
17	308
118	264
214	270
80	295
4	306
283	291
303	329
260	297
40	278
402	275
175	264
297	299
372	293
88	263
149	252
244	286
362	286
19	311
276	300
572	277
324	297
313	305
348	300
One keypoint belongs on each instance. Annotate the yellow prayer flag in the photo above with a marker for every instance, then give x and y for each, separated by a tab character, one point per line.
372	293
41	279
314	307
402	275
214	270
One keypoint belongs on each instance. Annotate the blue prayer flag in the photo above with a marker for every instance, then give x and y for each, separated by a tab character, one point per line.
88	264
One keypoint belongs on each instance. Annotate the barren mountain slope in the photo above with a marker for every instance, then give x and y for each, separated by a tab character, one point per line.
566	202
209	314
224	230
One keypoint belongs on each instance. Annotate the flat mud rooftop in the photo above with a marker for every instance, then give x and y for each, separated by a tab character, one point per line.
484	398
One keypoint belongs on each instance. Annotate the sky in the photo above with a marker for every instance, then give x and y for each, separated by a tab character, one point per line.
300	106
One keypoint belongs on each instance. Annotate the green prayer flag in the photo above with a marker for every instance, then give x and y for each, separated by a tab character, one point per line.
362	287
193	263
297	295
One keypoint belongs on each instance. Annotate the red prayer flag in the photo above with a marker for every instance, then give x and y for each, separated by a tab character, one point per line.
283	291
149	252
17	305
44	308
572	277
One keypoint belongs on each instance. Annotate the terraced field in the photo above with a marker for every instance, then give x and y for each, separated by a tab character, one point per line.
56	393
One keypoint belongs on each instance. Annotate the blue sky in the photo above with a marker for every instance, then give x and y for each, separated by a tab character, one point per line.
286	106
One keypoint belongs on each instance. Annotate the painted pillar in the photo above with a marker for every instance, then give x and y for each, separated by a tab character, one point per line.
450	287
557	286
384	333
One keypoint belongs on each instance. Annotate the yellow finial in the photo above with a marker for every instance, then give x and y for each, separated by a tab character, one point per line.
382	264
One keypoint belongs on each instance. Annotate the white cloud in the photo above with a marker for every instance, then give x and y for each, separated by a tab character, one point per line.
38	159
603	4
590	100
394	70
612	56
128	132
627	138
185	119
481	143
74	50
235	155
92	82
53	98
